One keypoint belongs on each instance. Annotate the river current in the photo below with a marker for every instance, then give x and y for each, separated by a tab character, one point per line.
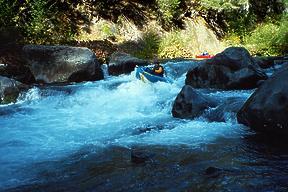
80	138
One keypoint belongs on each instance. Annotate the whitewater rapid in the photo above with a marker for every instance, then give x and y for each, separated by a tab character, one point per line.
49	123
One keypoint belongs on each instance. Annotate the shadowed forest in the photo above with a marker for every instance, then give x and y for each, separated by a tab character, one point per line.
260	26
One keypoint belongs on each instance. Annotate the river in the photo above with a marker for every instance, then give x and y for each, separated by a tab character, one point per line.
80	138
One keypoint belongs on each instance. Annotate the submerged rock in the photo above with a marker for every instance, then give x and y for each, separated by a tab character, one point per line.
213	172
267	108
121	63
234	68
140	156
190	103
60	64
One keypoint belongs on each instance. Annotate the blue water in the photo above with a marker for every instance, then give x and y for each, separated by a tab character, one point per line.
43	133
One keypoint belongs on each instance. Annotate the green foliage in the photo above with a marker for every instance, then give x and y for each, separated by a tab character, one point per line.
106	29
58	22
168	9
240	24
47	25
232	39
7	16
173	45
223	4
150	44
12	13
39	23
281	39
260	41
269	38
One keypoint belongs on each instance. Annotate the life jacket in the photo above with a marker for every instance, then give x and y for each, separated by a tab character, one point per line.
158	70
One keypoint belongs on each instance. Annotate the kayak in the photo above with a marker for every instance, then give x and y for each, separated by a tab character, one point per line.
145	74
204	56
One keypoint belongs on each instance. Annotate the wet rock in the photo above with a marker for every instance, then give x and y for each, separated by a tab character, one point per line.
13	65
231	105
234	68
268	62
20	73
60	64
281	68
190	103
121	63
2	68
267	108
10	90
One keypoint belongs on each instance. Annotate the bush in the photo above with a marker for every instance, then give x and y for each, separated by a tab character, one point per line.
281	39
269	38
7	13
150	45
260	41
220	5
173	45
168	9
38	27
39	21
47	25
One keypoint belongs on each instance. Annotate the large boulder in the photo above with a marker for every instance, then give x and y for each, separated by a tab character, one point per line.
10	89
234	68
190	103
267	108
61	64
122	63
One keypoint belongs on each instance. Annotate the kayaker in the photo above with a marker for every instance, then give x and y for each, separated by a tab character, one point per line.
205	53
158	69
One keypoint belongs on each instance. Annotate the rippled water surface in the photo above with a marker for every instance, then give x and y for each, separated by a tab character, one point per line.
81	137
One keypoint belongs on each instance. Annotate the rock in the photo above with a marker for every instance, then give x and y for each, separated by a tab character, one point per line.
61	64
267	108
11	57
268	62
20	73
234	68
281	68
231	105
10	90
190	103
122	63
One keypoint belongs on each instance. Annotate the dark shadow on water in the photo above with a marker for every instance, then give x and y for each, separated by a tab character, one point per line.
224	165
